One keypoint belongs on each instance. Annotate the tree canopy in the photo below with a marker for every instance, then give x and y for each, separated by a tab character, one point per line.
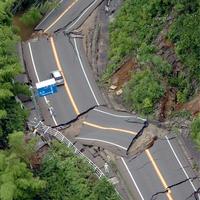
70	177
16	179
134	32
185	34
35	13
143	91
12	117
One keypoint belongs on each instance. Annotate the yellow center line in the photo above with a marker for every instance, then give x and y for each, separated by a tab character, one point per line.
95	125
159	174
60	16
108	128
65	82
150	157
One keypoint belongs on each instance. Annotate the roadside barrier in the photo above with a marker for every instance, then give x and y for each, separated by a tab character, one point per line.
46	131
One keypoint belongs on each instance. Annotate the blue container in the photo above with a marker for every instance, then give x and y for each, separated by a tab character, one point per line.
47	87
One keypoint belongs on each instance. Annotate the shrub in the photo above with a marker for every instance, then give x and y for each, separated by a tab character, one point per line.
34	14
70	177
31	17
12	116
195	130
185	34
136	23
143	91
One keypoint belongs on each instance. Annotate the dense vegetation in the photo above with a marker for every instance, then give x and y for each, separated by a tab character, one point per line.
137	24
147	89
62	175
12	116
70	178
185	34
133	33
16	179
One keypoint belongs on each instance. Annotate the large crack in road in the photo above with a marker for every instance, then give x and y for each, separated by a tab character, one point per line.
194	194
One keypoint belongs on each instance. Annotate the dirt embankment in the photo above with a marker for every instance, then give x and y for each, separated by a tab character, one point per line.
123	74
24	31
193	106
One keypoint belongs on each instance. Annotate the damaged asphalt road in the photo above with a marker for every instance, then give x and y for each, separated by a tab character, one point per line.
80	95
193	195
157	165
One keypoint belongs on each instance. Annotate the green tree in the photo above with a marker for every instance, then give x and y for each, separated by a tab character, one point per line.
22	148
137	23
16	180
13	121
68	177
185	34
5	14
31	17
35	13
103	190
11	114
143	91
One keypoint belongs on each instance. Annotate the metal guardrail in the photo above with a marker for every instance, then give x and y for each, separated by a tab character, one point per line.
44	130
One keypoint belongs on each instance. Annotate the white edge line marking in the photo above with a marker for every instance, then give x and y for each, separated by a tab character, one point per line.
81	15
120	116
132	178
179	162
35	70
33	62
51	113
103	141
48	14
79	58
45	17
142	119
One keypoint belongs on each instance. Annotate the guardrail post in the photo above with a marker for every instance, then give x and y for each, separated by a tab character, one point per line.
59	136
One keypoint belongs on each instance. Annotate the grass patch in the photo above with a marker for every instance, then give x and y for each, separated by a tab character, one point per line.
195	131
142	91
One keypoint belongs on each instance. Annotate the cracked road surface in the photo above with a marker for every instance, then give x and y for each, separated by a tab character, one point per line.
169	180
107	127
79	94
161	172
69	15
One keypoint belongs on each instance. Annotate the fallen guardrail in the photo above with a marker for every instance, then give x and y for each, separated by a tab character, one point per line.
46	131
